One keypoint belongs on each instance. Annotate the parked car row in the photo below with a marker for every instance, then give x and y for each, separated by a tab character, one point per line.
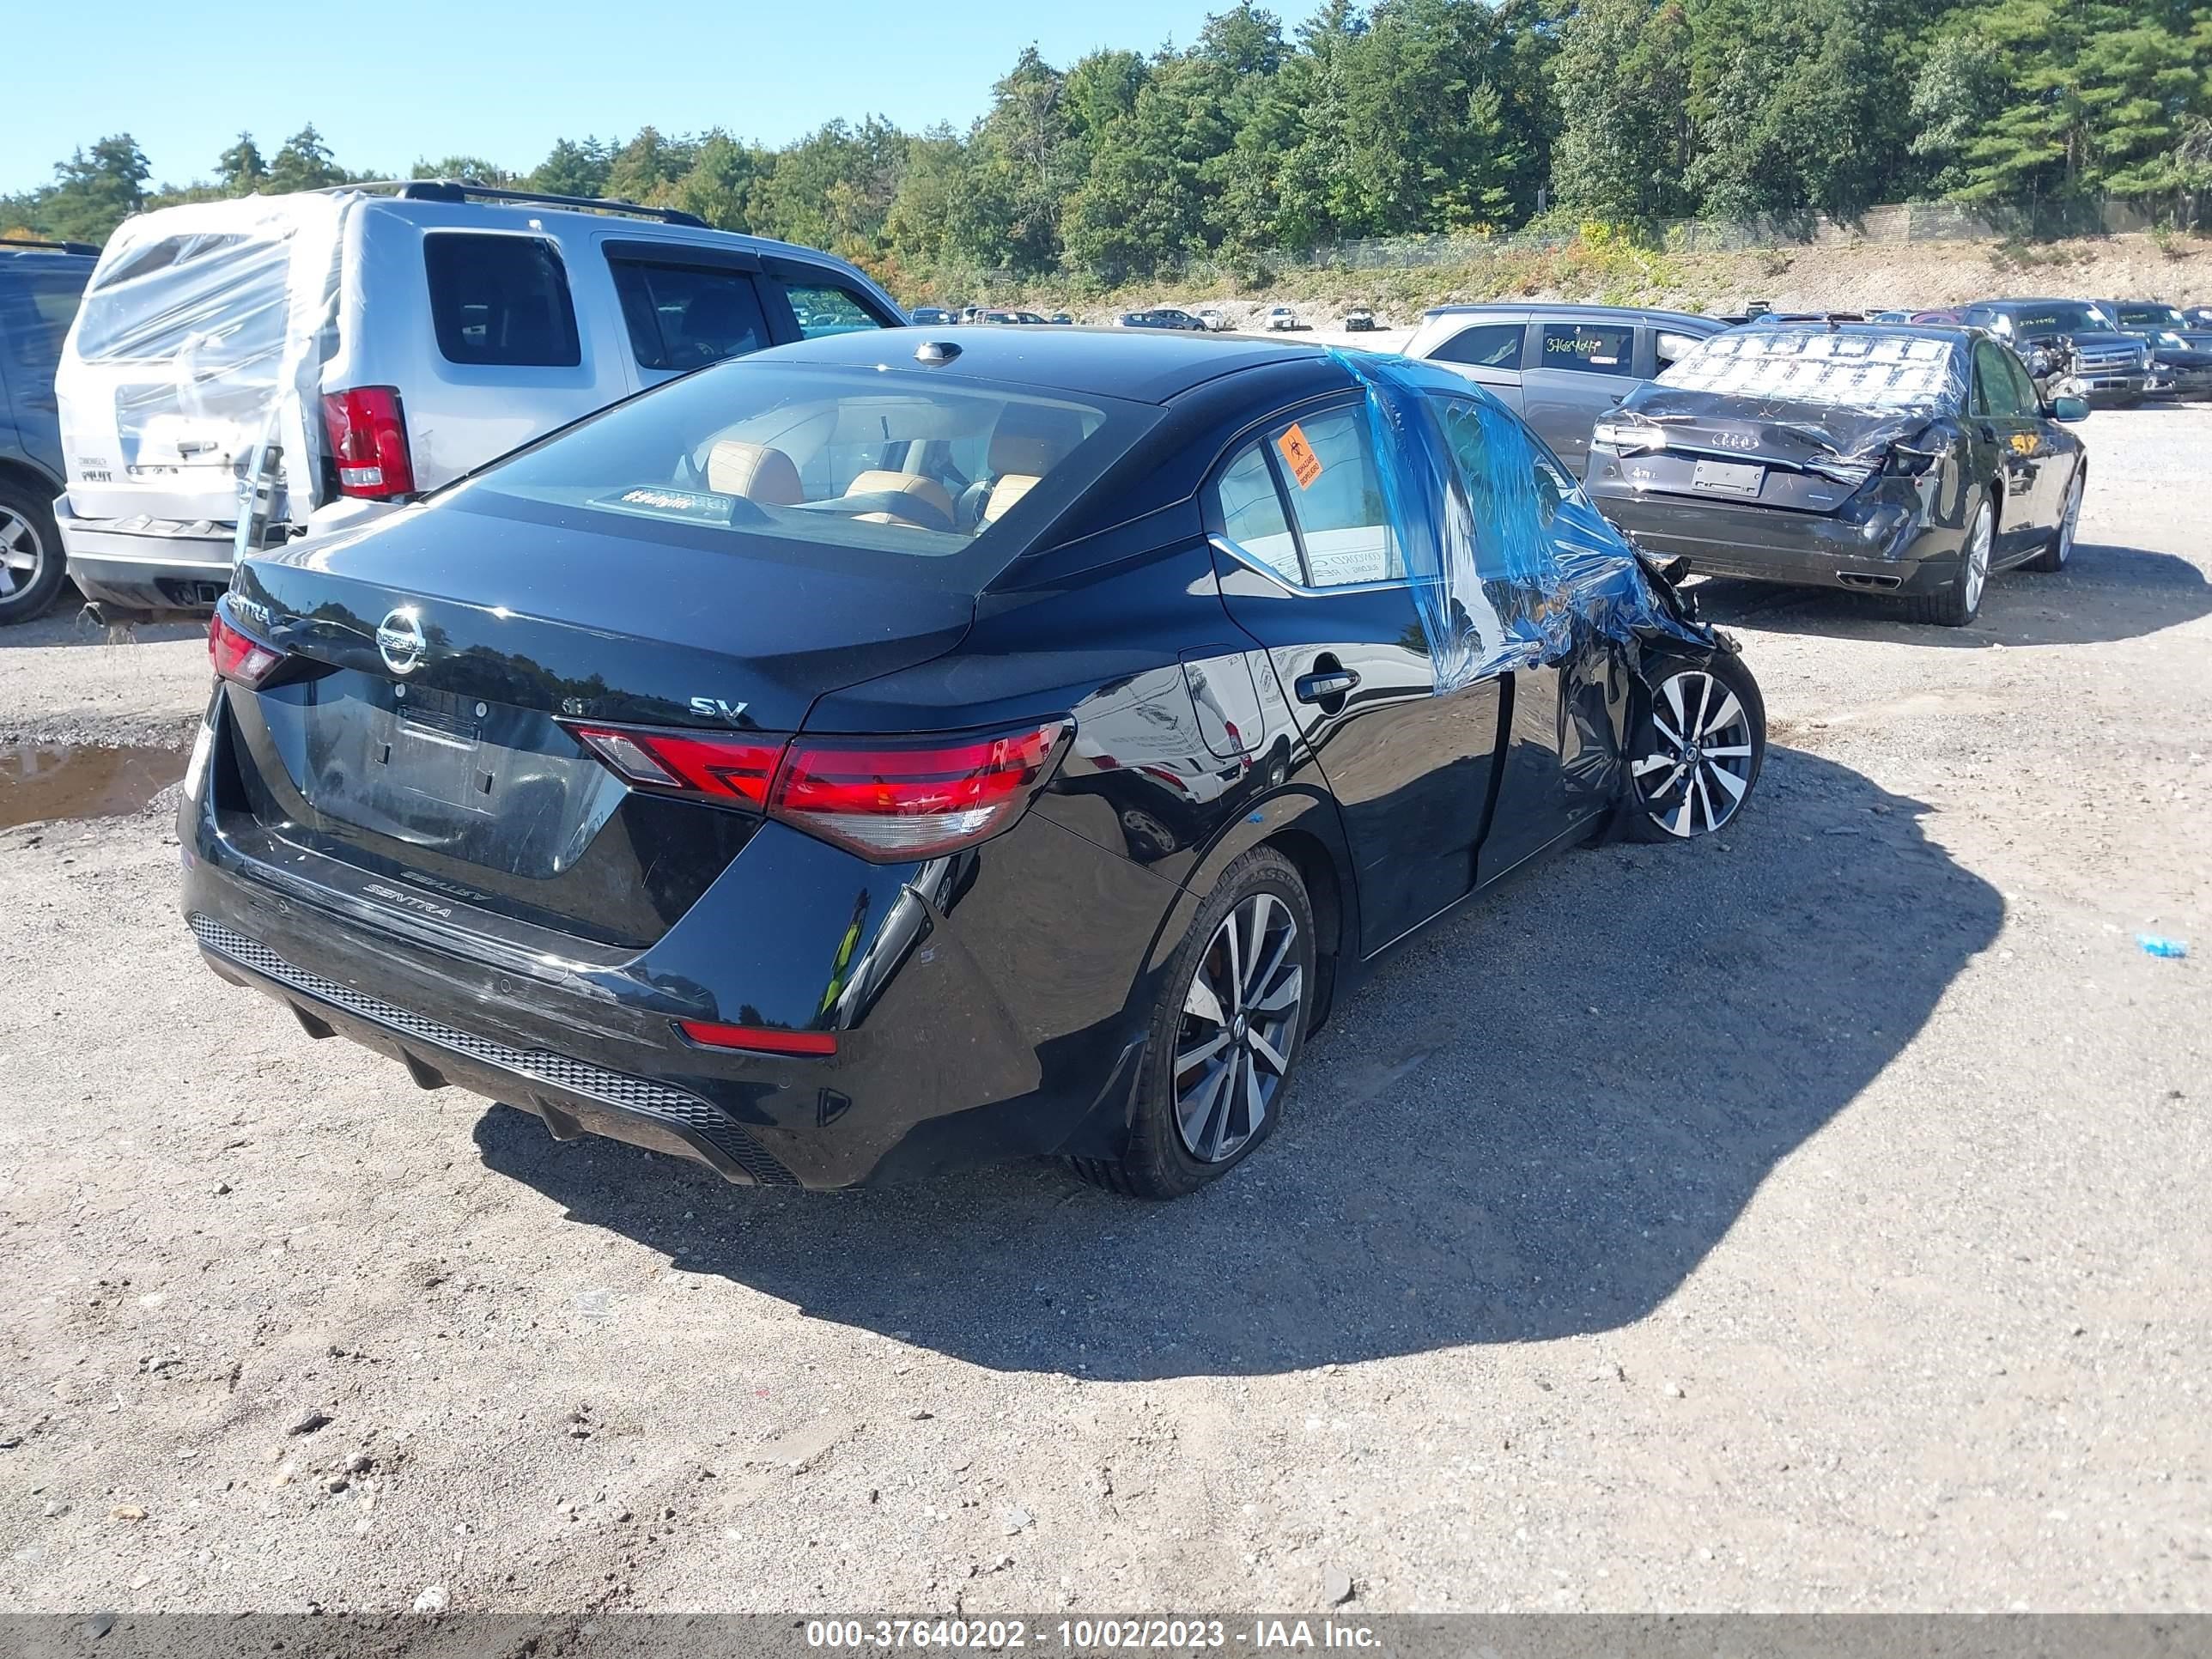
740	857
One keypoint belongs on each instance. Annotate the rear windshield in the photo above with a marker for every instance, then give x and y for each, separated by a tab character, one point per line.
2155	316
902	472
1819	366
215	298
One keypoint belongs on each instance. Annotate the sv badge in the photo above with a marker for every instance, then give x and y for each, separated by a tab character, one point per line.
715	708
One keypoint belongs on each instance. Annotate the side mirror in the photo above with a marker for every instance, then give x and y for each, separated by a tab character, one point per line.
2068	409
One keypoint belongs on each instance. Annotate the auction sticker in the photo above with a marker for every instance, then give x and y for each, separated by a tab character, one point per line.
1299	455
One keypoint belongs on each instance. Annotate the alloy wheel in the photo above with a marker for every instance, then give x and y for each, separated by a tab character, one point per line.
1976	575
1238	1028
21	553
2067	523
1699	767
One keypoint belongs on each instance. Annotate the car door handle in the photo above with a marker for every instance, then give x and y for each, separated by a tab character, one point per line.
1327	683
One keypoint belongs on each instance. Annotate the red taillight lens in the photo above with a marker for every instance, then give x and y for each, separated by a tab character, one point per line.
368	440
736	769
912	800
884	800
237	655
761	1039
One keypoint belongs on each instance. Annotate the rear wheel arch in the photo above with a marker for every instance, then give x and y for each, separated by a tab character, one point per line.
23	475
1317	868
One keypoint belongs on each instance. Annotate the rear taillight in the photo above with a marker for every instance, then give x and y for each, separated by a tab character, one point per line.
237	655
368	441
912	800
887	799
737	770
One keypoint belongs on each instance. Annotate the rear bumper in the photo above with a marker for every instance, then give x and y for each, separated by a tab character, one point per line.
1893	552
147	564
970	1029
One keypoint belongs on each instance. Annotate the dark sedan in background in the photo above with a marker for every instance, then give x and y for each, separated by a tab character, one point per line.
1007	742
1902	461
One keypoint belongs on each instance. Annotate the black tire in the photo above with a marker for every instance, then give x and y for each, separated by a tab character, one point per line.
1682	800
2060	548
1160	1161
31	568
1961	602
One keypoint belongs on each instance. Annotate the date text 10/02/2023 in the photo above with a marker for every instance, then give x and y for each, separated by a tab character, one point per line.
1089	1635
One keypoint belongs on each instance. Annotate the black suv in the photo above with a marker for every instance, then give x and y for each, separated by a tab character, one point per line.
40	283
2071	348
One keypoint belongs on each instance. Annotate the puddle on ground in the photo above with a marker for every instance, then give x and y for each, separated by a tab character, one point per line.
43	781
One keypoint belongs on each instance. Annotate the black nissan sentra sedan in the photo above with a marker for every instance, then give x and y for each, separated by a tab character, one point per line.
893	752
1899	460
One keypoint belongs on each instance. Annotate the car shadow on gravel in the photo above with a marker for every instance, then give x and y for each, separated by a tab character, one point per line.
2105	593
1536	1122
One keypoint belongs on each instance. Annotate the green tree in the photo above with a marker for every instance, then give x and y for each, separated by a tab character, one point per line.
240	170
574	169
1622	81
95	191
305	164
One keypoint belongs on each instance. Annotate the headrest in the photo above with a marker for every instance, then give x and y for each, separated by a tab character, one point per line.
1032	439
754	471
1005	493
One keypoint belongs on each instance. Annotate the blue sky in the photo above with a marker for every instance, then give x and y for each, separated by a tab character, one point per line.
388	82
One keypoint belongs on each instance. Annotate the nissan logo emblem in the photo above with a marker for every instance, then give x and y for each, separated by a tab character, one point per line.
399	640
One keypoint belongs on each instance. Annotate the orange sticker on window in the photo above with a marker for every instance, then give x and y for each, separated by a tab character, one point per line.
1299	455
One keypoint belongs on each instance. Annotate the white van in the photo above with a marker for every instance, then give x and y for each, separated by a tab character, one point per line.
332	354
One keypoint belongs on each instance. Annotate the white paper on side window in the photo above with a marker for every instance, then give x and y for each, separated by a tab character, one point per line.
200	340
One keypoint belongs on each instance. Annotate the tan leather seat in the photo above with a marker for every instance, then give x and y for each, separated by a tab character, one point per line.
755	472
1029	441
876	483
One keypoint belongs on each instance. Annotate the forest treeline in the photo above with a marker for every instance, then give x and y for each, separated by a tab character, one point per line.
1405	116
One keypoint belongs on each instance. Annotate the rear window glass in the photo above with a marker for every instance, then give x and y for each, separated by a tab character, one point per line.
501	300
1487	345
1588	349
685	317
216	299
822	309
2154	316
854	466
1819	366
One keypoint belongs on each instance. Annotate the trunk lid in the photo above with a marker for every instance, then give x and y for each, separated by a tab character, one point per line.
444	646
1808	458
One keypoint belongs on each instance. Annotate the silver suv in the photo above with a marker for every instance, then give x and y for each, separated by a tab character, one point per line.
1560	366
305	362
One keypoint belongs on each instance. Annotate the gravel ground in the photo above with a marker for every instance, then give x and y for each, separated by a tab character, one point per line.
1812	1218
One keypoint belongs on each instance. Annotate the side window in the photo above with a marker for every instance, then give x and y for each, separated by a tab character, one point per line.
1671	347
2023	385
501	300
682	316
1252	513
1486	345
1336	493
1589	348
1993	385
822	309
1490	449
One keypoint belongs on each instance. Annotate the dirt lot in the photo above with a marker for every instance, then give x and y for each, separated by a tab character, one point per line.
1813	1219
